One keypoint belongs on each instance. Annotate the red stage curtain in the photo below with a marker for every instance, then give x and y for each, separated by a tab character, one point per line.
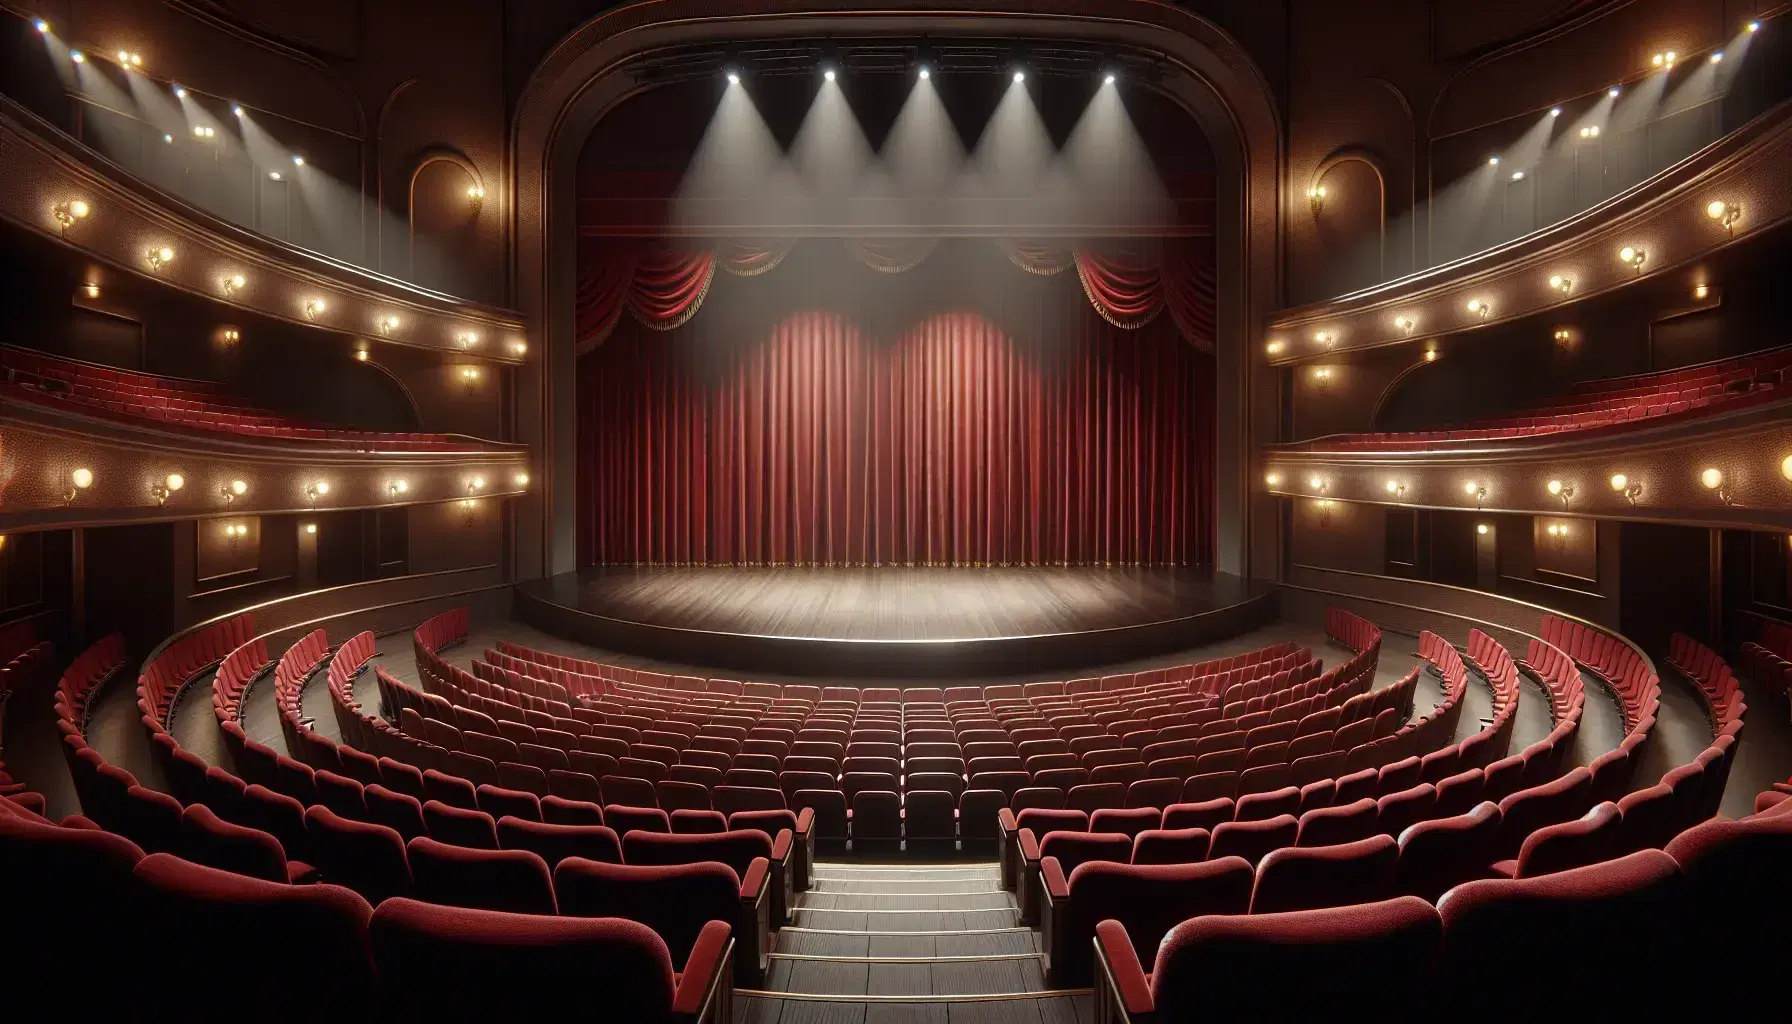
949	442
662	285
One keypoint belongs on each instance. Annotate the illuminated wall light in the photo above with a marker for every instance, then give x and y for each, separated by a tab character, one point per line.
1665	61
230	336
467	339
1517	175
1558	489
91	290
1325	339
1316	197
1701	291
521	479
1275	348
1630	489
1475	491
1397	489
1405	324
1633	257
394	488
166	486
386	324
1317	484
315	308
1493	161
316	489
1554	530
475	484
1712	479
70	213
1590	132
79	480
233	490
77	56
1481	528
232	284
1563	335
1559	283
519	347
1786	467
158	258
1431	355
361	355
1726	214
1272	479
1480	308
311	528
167	138
475	193
275	176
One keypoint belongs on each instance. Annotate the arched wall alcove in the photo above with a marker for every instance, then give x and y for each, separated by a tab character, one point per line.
442	203
1209	74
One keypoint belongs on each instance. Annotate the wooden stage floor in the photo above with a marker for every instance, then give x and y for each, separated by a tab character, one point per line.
892	619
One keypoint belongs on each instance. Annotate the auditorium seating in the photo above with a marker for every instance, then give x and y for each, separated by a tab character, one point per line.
1600	408
172	403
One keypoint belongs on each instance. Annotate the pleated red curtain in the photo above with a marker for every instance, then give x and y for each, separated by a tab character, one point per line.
947	442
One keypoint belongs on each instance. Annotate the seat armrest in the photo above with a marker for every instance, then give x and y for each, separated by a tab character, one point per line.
1129	989
758	876
805	821
1029	846
1006	819
781	845
706	974
1056	886
300	873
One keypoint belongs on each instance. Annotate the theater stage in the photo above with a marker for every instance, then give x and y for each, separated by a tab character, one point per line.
894	621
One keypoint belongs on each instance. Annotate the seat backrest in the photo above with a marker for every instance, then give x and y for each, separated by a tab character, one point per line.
370	859
1075	848
735	849
511	965
1151	899
554	843
515	881
676	901
1308	878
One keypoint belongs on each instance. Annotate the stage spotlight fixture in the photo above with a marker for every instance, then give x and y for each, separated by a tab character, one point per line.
77	56
733	78
1753	26
167	138
1614	91
1517	175
42	26
1020	76
1717	57
1493	161
180	92
1555	111
1108	79
1632	257
828	74
298	161
237	110
924	74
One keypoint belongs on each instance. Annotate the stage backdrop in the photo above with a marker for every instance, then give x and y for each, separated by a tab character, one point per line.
963	412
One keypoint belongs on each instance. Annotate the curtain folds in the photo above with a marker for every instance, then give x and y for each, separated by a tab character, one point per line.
811	441
664	284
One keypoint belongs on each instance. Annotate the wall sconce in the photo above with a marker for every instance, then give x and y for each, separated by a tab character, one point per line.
314	308
1317	483
202	132
469	376
1325	339
1559	283
1431	355
1325	512
1272	479
475	484
521	480
232	284
1786	467
158	258
1475	491
69	213
1590	132
1664	61
232	491
467	339
386	324
519	347
311	528
361	353
236	532
1564	337
1631	490
1701	291
1558	489
1712	479
468	506
316	489
230	336
1322	379
162	488
91	289
79	480
1479	308
1316	196
1405	324
1275	348
1397	489
1632	257
1481	529
476	194
1726	214
394	488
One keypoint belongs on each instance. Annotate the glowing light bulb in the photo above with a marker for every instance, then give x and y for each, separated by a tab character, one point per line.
828	74
77	56
82	478
1020	76
1712	478
1481	528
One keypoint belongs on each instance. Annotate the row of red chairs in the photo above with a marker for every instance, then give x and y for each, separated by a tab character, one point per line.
1704	666
24	670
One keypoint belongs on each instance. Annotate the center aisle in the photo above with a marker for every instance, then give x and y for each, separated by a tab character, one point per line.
936	943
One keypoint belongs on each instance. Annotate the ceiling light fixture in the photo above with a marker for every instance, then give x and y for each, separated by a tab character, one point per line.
1517	175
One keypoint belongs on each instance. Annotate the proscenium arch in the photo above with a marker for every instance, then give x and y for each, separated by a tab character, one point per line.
1207	72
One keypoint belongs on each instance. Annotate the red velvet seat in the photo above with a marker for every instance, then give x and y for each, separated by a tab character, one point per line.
209	840
676	901
1734	874
556	842
515	881
1128	822
445	963
215	916
1329	826
1395	811
1171	846
1309	878
398	811
1148	900
1253	839
1223	967
1206	814
370	859
1588	839
472	829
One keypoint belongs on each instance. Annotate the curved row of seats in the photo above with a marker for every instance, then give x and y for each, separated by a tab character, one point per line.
38	377
24	670
1604	406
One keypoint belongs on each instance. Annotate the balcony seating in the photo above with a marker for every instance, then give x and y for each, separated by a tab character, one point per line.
1600	408
190	405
